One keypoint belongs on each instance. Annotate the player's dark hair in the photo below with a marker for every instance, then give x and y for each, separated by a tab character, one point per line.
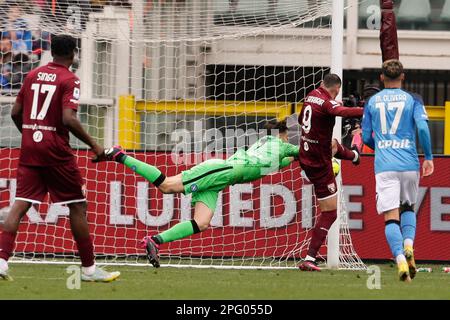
392	69
331	80
63	46
279	126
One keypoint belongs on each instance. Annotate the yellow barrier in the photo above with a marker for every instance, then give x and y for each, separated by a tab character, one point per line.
129	121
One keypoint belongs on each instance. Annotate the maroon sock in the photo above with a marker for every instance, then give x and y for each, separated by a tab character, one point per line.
86	251
320	231
344	153
7	242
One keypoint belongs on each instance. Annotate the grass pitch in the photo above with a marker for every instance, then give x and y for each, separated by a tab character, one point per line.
41	281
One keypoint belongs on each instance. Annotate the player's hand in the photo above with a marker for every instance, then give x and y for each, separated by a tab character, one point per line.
427	168
99	153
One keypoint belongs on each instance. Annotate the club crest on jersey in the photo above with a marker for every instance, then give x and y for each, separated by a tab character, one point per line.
332	187
37	136
194	187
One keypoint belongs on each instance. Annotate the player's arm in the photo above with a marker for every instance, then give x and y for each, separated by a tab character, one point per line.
367	128
17	109
70	100
338	110
421	120
16	114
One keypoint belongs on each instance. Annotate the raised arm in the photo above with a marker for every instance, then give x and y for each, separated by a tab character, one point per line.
337	109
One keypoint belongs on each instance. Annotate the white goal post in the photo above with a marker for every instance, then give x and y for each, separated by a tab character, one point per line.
176	83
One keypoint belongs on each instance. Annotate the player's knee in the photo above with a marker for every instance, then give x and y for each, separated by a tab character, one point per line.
77	208
404	207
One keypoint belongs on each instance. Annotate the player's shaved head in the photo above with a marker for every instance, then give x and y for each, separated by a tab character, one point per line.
392	69
332	80
63	47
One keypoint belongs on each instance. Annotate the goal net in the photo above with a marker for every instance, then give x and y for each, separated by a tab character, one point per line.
175	83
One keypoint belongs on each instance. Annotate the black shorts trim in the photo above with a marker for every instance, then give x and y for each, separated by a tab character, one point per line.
207	174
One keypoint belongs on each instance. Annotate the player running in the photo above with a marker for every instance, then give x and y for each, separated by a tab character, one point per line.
44	112
393	115
317	120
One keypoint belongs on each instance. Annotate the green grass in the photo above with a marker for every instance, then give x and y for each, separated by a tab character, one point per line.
40	281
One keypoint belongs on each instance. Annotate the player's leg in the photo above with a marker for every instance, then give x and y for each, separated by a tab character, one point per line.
149	172
388	200
408	197
31	189
341	152
65	187
8	235
205	204
326	191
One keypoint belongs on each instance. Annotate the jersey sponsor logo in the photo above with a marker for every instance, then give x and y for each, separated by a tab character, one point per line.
37	136
309	140
194	187
394	144
315	100
44	76
77	81
38	127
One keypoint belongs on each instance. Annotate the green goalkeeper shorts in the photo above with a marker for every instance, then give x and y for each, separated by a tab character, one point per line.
206	180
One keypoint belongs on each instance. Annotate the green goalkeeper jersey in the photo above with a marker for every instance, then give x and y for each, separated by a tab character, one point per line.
265	156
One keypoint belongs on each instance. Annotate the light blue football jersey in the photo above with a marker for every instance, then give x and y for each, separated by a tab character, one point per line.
392	114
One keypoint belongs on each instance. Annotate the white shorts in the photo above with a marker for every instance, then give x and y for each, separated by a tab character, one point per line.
394	188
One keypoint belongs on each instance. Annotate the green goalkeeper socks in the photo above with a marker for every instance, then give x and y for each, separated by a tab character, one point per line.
149	172
179	231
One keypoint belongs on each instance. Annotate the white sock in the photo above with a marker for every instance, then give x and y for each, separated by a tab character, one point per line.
356	156
309	258
408	242
3	265
89	271
400	258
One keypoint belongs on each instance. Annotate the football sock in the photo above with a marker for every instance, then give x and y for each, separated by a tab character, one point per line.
320	231
88	270
146	170
394	237
86	251
3	265
178	231
408	225
344	153
7	242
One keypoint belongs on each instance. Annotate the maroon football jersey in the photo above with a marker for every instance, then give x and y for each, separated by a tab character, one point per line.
317	120
46	91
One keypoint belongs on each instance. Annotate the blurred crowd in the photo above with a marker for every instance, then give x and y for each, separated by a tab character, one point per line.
25	32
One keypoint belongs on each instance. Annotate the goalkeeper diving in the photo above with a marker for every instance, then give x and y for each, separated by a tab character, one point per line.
205	180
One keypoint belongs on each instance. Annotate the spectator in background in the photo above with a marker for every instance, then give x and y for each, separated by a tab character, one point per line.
6	60
13	67
18	30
